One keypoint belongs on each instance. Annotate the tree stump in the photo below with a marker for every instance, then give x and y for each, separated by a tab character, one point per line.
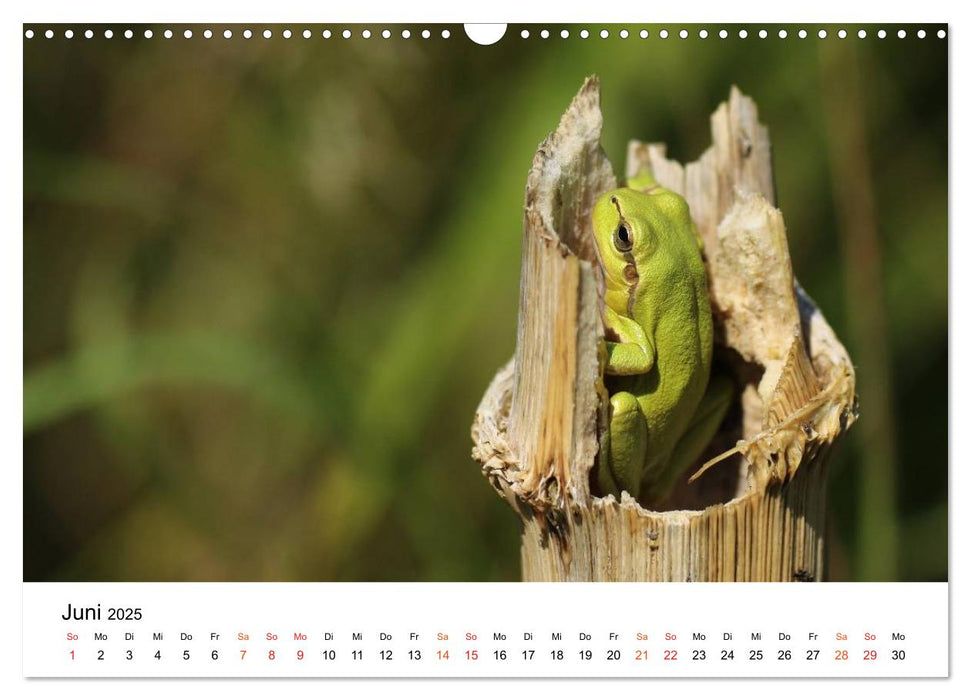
759	513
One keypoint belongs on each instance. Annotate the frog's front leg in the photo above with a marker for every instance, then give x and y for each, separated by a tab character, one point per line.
632	352
624	447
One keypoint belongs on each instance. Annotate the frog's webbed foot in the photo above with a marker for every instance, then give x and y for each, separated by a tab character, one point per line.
624	447
629	351
626	359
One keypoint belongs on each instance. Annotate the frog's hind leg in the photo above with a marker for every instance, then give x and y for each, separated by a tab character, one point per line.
708	417
624	447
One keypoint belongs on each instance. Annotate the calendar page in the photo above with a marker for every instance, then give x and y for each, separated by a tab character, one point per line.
560	350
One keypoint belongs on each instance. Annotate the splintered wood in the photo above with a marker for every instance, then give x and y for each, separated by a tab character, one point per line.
536	431
552	419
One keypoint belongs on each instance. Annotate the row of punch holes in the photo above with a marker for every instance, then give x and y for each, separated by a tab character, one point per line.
446	34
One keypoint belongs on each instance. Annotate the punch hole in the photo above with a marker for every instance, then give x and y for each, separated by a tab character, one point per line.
129	33
783	33
861	33
941	33
29	34
624	34
187	33
644	34
584	34
545	34
703	33
167	33
882	34
487	34
88	34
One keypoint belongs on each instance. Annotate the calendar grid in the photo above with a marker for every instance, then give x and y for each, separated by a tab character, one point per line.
484	630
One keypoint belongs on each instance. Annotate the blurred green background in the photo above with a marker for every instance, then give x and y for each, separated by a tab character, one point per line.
266	283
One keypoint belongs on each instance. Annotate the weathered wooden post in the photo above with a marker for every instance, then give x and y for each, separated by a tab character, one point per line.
759	515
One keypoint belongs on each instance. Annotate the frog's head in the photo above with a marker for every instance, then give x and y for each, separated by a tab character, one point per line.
641	237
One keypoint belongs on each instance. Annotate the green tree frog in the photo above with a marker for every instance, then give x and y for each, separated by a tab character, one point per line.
663	410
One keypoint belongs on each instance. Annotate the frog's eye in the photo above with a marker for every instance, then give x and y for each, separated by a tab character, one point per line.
623	238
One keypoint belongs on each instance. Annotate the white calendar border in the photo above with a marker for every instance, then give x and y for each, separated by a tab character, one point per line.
497	10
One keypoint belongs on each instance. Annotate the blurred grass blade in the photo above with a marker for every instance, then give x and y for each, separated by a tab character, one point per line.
96	374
